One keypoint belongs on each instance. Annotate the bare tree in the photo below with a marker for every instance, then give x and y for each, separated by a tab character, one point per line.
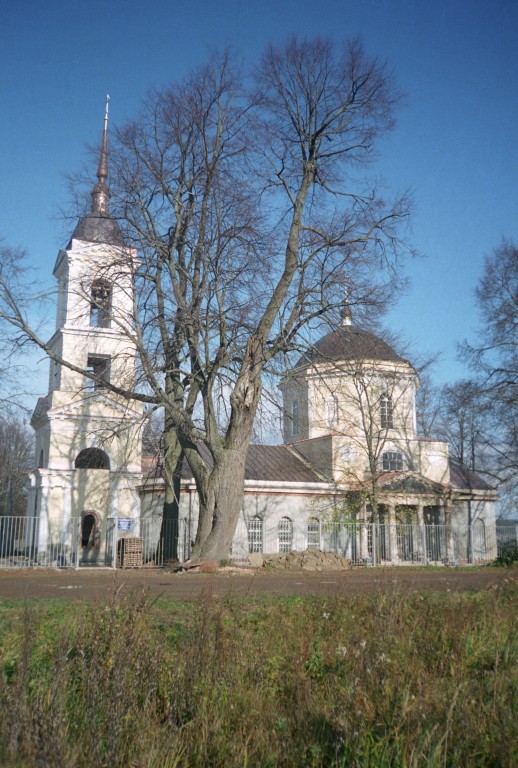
16	453
370	412
247	208
494	358
13	343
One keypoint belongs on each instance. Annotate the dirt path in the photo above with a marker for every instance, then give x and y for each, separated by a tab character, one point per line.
88	585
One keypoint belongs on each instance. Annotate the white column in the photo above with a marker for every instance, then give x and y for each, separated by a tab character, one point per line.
394	554
451	554
43	522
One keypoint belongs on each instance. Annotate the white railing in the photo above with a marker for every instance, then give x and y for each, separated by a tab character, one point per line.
147	542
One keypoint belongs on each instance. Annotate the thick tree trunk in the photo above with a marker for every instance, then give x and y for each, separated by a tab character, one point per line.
220	502
222	507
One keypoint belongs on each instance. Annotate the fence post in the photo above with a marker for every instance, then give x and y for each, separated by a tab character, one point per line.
425	553
77	535
114	542
373	536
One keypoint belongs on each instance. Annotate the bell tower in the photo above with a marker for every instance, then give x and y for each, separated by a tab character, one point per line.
88	445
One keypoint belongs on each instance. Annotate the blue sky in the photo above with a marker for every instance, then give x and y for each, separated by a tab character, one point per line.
455	145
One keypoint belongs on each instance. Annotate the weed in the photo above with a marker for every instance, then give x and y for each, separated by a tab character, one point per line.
383	680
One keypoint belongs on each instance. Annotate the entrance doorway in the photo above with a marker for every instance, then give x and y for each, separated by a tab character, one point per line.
90	538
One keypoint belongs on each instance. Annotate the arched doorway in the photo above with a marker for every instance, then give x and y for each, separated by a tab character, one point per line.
90	537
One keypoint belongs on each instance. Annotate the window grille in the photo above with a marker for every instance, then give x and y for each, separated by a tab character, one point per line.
255	534
386	415
313	533
285	534
393	461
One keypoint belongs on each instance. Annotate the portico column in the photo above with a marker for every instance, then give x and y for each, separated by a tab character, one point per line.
394	553
422	531
451	555
43	516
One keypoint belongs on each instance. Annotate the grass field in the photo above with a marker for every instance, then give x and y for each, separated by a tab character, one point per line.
379	680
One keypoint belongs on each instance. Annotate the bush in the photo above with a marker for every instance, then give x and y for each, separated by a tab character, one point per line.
508	555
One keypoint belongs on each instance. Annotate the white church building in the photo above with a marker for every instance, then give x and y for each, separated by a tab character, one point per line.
351	476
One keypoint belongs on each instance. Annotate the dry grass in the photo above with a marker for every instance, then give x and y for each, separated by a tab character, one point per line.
384	680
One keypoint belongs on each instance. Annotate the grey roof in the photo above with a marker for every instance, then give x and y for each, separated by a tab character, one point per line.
277	463
273	463
94	228
349	343
460	477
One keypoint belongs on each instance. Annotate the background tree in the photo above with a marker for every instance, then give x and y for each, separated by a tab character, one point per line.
16	456
495	360
247	207
377	404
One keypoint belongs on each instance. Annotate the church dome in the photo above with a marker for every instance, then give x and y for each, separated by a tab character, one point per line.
95	228
349	343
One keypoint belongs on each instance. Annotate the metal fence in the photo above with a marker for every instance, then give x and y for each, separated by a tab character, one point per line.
150	542
361	543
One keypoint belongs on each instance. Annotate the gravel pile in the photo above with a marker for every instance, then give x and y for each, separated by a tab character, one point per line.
309	560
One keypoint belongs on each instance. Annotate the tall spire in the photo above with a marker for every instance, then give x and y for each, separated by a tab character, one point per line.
101	193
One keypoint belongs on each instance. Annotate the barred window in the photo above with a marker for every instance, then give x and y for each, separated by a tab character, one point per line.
313	533
255	534
285	534
387	421
392	461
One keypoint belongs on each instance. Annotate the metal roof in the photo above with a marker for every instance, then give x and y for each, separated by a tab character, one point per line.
271	463
349	343
460	477
94	228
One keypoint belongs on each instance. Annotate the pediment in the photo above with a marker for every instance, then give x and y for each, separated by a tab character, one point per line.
409	484
96	406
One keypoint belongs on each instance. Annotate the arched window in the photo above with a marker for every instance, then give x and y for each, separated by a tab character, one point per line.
100	304
285	534
295	418
393	461
313	533
332	411
479	538
92	458
387	421
255	534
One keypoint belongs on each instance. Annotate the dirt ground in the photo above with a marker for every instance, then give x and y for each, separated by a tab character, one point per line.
99	584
